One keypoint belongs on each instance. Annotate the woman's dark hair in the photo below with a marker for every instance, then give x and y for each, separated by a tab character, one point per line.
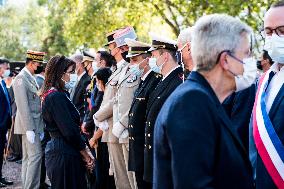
103	74
266	56
108	58
54	71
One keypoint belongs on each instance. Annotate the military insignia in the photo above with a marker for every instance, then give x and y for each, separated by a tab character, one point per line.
132	78
113	83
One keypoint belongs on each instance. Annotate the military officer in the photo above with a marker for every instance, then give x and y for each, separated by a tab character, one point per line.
139	56
28	121
105	116
164	62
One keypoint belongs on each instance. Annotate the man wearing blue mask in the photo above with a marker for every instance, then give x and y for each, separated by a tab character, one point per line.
5	115
164	62
267	135
139	57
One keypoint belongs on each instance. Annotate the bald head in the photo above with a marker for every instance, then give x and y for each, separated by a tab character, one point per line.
274	17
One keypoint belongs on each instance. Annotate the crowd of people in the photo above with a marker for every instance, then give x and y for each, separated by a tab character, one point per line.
199	112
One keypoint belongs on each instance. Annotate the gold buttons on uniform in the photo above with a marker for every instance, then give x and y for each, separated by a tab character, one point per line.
149	135
150	147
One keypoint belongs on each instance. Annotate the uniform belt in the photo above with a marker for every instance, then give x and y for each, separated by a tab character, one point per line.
55	134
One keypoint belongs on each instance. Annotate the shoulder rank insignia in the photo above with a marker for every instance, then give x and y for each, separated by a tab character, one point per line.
131	78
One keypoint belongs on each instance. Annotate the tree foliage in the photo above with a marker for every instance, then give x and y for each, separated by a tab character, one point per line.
61	27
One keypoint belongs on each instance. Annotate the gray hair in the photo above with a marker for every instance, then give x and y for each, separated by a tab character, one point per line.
78	58
213	34
185	36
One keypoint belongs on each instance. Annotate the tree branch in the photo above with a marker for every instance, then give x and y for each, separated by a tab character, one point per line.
176	30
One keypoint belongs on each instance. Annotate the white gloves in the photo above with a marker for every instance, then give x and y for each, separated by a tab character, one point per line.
31	136
118	130
103	125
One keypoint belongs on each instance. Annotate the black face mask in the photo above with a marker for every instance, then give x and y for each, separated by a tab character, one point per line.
258	64
39	69
124	56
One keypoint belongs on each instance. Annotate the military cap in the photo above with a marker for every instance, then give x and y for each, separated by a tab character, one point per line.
87	56
159	42
136	47
35	56
110	38
121	35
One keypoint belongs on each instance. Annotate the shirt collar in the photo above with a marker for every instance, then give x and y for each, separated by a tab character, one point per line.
120	63
41	76
81	75
28	71
170	72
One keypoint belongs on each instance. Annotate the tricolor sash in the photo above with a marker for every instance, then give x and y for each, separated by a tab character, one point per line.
268	144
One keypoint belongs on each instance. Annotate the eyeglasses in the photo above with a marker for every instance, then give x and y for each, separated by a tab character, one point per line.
269	31
70	72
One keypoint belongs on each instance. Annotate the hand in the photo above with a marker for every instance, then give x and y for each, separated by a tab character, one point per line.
88	158
117	129
103	126
30	136
83	128
93	142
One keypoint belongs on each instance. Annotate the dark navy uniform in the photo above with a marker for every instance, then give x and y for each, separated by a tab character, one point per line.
156	101
137	119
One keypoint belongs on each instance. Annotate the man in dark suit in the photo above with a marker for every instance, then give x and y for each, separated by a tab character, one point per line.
164	62
266	173
77	94
195	145
5	115
139	56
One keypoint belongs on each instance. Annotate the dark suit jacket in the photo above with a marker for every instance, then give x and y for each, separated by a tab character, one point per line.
5	117
137	119
195	144
155	103
79	95
263	179
239	107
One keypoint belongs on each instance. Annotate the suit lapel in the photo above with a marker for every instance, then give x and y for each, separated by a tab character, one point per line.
145	83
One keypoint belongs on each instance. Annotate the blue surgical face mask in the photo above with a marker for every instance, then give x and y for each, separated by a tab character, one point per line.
153	65
72	82
6	73
135	70
95	67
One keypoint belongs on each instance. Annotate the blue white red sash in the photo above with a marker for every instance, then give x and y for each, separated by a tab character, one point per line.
268	144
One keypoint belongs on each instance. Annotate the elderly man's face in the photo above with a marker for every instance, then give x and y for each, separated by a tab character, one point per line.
274	18
186	55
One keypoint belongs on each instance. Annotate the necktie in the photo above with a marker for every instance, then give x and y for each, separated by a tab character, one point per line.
6	95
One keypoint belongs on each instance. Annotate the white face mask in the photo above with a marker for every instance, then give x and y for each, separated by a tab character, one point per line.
6	73
71	84
275	47
248	77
